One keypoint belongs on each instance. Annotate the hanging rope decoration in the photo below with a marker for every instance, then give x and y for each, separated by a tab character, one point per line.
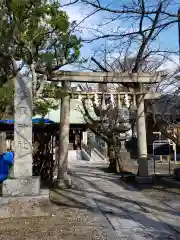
103	103
89	102
80	98
134	101
126	101
119	104
116	100
112	100
96	99
78	104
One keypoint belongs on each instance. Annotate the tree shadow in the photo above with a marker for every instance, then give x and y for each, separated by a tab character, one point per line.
107	202
107	208
129	178
143	204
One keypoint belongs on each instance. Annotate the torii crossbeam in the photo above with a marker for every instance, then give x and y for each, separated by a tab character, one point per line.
105	77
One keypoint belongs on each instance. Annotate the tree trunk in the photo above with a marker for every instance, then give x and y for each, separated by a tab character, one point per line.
2	142
63	180
43	162
134	130
112	159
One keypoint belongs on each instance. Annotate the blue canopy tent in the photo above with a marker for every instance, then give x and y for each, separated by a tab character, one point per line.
9	121
34	121
7	158
42	120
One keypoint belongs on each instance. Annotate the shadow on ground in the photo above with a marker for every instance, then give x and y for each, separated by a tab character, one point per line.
89	194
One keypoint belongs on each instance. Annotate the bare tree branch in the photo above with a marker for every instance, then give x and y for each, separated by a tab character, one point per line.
124	9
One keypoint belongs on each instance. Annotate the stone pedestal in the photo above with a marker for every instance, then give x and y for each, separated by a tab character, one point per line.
23	186
144	180
64	183
126	158
125	155
22	183
177	173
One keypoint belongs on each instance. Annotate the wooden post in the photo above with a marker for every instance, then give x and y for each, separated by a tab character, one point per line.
2	142
63	180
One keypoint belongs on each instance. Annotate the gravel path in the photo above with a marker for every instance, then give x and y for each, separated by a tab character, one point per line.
162	193
69	216
98	206
67	224
132	214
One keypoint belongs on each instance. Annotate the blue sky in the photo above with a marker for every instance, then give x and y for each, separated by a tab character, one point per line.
77	12
168	39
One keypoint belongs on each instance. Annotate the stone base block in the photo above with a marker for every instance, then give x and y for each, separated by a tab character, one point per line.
171	182
63	183
125	158
24	186
144	180
177	173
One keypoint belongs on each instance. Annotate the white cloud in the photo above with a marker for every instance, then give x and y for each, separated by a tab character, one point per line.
97	24
83	16
92	24
171	64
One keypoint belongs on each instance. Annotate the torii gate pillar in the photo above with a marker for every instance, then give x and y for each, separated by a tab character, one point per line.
143	173
141	137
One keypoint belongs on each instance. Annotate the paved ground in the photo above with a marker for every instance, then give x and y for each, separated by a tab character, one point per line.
163	193
131	213
97	207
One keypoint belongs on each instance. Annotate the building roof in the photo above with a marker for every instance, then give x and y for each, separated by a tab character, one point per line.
76	117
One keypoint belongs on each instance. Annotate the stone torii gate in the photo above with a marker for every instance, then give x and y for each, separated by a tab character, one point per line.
22	182
140	79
